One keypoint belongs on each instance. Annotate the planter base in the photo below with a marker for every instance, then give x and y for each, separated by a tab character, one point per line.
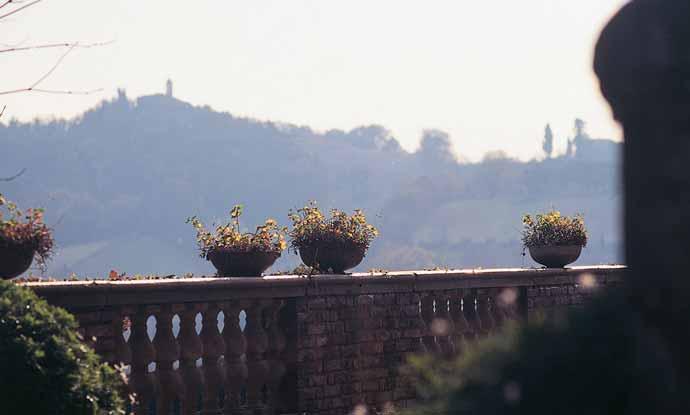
242	264
14	261
335	258
555	256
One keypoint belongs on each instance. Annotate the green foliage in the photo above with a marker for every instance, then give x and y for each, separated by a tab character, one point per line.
309	225
552	229
268	237
25	230
600	360
46	368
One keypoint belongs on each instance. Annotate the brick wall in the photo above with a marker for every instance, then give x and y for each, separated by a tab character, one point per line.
350	348
321	345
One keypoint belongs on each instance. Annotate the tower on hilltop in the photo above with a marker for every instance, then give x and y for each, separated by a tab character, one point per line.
169	88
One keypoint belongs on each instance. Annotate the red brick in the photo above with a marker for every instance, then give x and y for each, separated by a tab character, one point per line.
99	330
311	393
364	299
370	385
331	390
332	365
371	348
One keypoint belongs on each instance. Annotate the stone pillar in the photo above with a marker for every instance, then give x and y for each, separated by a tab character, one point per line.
643	65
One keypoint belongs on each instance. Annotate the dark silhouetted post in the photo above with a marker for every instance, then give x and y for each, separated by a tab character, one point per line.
643	62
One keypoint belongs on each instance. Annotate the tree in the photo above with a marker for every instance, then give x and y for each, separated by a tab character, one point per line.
579	128
547	144
595	360
46	367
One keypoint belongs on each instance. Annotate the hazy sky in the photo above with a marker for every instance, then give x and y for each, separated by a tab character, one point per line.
490	73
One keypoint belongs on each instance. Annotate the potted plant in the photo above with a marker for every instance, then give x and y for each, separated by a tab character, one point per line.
554	240
236	254
332	245
23	237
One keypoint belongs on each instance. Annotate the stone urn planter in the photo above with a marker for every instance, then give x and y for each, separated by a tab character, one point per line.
332	257
14	260
555	256
241	264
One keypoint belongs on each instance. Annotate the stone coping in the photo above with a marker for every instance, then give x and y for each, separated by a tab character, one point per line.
105	293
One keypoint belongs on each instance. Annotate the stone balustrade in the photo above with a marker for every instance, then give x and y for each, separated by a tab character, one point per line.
297	344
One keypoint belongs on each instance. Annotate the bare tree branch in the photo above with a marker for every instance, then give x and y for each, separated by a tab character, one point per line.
14	45
55	45
67	92
16	48
44	77
3	110
17	9
9	179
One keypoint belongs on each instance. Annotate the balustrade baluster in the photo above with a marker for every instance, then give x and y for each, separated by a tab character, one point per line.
428	316
167	352
499	305
235	348
214	347
191	349
274	354
122	354
484	310
420	323
511	301
142	382
443	324
460	324
257	344
471	316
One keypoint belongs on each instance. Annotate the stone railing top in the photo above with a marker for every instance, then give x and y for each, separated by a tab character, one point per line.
103	293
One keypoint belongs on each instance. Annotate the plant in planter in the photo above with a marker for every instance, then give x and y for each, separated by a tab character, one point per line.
23	236
554	240
236	254
333	245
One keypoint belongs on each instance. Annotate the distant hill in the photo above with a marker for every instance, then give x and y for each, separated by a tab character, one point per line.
119	181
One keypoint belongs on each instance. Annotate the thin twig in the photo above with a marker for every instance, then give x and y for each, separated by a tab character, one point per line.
50	72
17	9
9	179
42	78
14	45
67	92
3	110
55	45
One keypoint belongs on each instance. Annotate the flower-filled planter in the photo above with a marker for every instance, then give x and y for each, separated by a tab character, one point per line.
236	254
23	236
332	245
554	240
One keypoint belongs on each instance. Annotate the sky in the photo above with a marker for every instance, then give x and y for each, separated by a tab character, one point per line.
490	73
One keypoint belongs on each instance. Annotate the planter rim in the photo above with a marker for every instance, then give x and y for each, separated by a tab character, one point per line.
554	246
